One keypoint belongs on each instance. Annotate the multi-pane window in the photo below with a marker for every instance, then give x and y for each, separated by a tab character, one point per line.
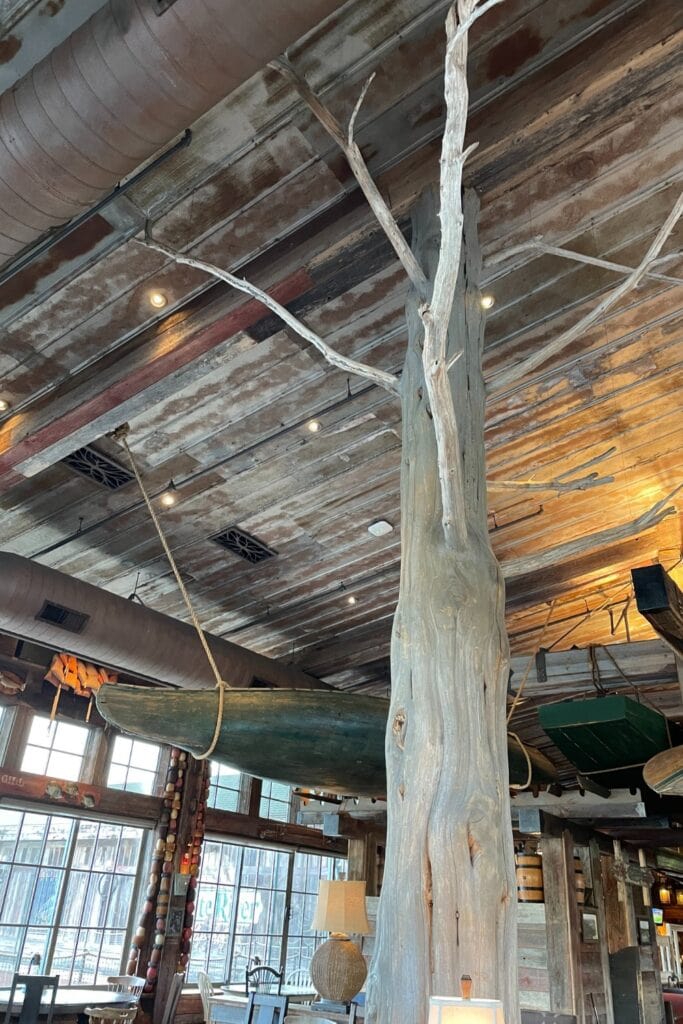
224	787
241	909
66	893
306	877
55	748
276	801
133	766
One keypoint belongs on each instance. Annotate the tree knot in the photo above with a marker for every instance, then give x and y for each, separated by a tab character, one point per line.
398	728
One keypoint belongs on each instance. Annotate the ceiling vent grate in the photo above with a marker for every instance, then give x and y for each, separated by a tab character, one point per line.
64	618
99	468
241	543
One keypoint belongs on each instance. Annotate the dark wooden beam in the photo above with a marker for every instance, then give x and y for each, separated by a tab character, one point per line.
660	601
230	823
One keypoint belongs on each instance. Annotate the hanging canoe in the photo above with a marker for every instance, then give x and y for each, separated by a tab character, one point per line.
318	738
664	772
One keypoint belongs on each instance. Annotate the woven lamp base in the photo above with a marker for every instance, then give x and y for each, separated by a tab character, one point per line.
338	969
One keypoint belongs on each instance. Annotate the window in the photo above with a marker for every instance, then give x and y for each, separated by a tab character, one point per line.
134	766
224	788
55	748
66	893
241	909
276	801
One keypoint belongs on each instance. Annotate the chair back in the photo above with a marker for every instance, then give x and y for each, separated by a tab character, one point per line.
205	991
111	1015
34	986
174	991
262	979
127	983
266	1009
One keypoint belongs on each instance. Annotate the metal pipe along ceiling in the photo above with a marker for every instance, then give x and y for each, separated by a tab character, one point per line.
50	608
120	87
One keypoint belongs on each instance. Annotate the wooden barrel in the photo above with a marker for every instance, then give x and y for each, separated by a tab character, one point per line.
579	881
529	871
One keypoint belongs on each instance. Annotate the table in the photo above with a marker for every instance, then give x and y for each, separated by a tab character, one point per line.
295	993
69	1002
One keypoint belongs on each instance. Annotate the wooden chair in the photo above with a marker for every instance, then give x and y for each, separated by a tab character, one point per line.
111	1015
34	986
262	979
213	1005
175	989
127	983
266	1009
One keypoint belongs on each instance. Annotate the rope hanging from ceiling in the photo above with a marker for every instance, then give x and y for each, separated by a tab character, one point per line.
121	435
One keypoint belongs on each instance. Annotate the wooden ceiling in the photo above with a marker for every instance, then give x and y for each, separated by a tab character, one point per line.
577	110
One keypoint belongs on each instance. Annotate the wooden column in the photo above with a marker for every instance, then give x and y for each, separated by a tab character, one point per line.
599	901
363	861
562	925
170	956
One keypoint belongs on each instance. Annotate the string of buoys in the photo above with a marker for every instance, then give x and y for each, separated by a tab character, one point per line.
195	855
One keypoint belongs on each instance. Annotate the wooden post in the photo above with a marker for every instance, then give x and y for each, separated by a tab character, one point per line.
168	965
562	925
599	901
363	861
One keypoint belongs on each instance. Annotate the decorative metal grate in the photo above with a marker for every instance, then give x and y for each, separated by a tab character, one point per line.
98	467
241	543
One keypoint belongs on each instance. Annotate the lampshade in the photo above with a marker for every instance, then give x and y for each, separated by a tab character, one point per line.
341	908
446	1010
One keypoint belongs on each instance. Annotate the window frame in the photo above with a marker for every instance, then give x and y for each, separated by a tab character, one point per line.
339	865
138	875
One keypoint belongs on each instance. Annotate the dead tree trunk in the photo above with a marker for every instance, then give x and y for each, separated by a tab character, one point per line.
448	903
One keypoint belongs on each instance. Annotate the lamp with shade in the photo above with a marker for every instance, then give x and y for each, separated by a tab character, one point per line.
463	1010
338	969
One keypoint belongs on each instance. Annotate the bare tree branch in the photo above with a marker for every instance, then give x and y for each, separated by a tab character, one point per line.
388	381
560	482
538	245
546	352
583	483
564	552
357	164
436	313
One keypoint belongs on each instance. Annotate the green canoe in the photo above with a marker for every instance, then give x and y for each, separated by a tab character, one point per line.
317	738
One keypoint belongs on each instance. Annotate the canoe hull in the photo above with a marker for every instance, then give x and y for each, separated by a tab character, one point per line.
321	739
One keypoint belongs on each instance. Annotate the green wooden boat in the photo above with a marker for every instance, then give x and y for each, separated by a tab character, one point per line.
317	738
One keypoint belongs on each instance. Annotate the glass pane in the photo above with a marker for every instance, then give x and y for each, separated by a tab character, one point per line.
145	755
85	844
10	825
64	955
122	749
75	898
45	897
30	845
111	954
41	732
118	773
19	895
107	847
139	781
58	838
129	850
120	898
225	799
64	766
96	899
35	760
36	942
10	953
70	738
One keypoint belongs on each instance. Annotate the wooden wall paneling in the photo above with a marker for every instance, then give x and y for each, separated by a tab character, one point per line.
599	903
562	924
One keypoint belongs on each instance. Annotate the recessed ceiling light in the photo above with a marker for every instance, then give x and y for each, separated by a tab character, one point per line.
4	405
314	426
487	301
169	496
380	529
351	599
157	299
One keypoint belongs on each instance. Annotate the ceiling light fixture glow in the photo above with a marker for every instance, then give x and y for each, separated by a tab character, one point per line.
157	299
4	405
169	496
351	599
314	426
487	301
